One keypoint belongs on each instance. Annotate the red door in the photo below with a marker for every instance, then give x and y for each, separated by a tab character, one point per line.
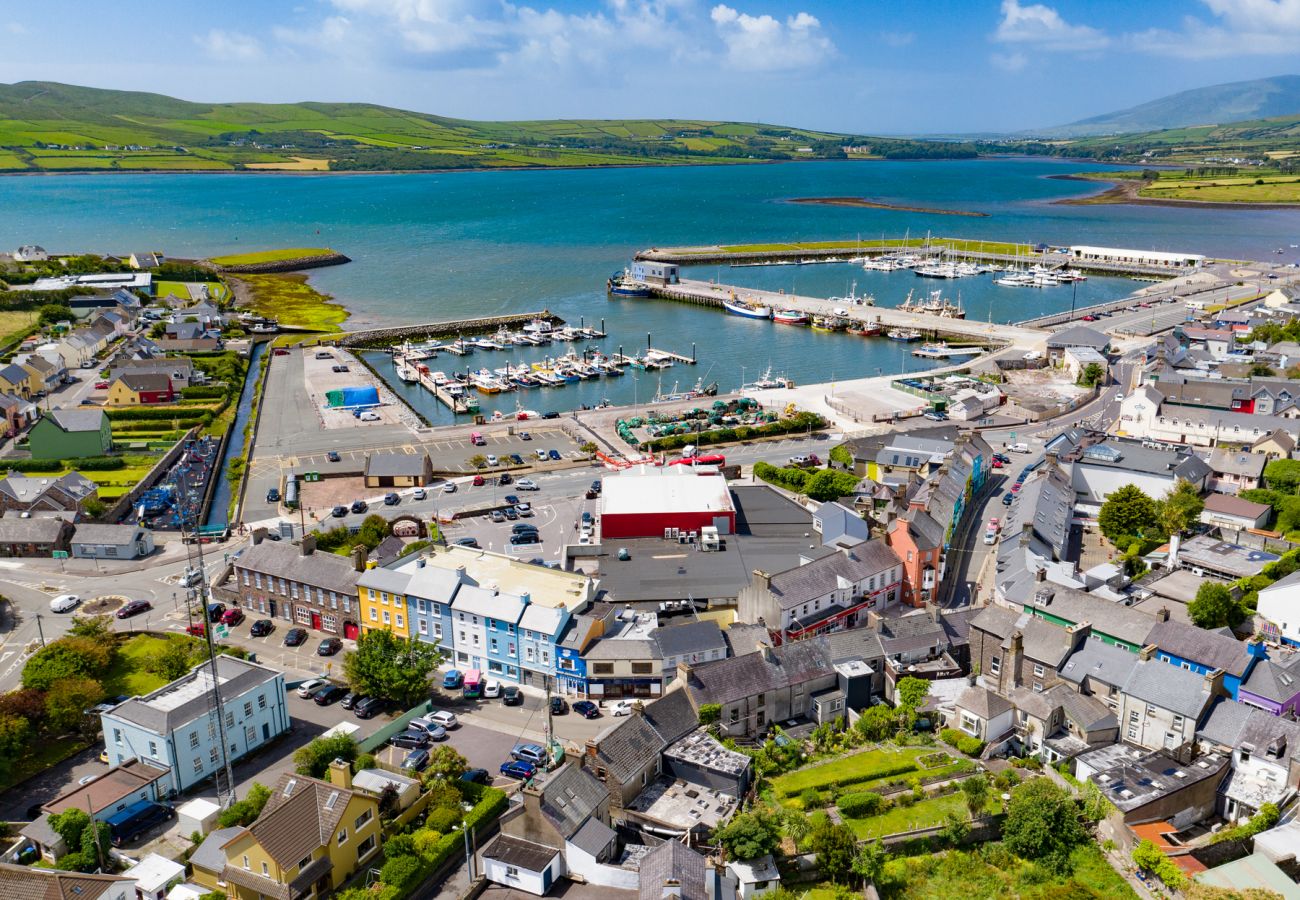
315	621
350	630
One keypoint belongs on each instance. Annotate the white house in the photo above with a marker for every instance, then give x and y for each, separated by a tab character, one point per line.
522	864
982	714
1279	604
754	877
1108	466
154	876
1141	415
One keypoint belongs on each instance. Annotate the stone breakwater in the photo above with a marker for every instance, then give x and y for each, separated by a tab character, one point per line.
285	265
377	337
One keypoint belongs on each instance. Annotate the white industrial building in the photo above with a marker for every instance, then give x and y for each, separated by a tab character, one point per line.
174	726
1117	256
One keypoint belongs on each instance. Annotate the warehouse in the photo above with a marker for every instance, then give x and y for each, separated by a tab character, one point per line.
648	501
1116	256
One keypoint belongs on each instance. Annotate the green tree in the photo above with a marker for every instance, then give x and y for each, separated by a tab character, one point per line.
1283	475
1147	856
52	313
1093	373
446	762
796	824
955	829
869	862
314	758
710	713
374	528
1215	607
246	811
877	722
15	732
825	485
1128	511
173	660
67	700
1181	509
750	835
976	793
96	628
836	847
68	657
1042	824
384	665
911	692
478	460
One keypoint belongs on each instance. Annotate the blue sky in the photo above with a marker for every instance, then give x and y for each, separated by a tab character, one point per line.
906	66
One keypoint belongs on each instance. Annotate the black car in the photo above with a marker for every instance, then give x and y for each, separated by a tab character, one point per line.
329	646
132	608
367	707
215	611
411	739
522	527
511	513
467	542
359	506
473	776
333	456
587	709
391	499
525	537
350	699
339	512
331	693
550	415
261	628
273	495
559	706
295	637
505	478
516	459
511	695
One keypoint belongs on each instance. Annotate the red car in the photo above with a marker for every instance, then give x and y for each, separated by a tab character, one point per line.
101	385
279	351
479	481
232	616
198	629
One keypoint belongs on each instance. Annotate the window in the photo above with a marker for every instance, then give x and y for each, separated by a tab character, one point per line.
194	740
365	846
643	668
492	645
198	765
1178	722
117	735
510	649
424	627
153	749
246	866
250	736
1133	716
266	870
995	665
343	836
386	617
304	862
248	708
1132	733
735	715
1038	670
362	820
1038	687
399	621
602	668
437	631
230	719
261	701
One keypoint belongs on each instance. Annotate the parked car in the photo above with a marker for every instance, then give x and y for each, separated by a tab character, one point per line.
197	629
232	616
368	706
273	495
555	455
134	608
295	637
64	603
476	776
467	542
453	679
216	611
443	718
339	512
516	769
529	753
491	689
369	417
492	460
329	694
350	699
524	508
621	708
497	516
559	706
595	486
525	537
1008	498
511	499
510	513
261	628
333	456
359	506
329	646
419	494
516	459
310	686
523	527
449	487
512	696
101	385
552	414
990	536
587	709
416	760
410	740
541	455
526	484
479	481
505	479
935	416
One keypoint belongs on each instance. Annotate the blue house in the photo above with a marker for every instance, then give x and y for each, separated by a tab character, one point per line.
1201	651
570	668
429	595
540	628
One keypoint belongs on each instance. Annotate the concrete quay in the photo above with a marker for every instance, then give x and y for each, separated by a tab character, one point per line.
395	334
707	293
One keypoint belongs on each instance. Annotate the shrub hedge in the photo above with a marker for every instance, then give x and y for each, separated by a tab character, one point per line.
85	464
861	804
801	422
971	746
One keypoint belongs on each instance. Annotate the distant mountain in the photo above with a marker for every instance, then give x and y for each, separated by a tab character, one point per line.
1263	98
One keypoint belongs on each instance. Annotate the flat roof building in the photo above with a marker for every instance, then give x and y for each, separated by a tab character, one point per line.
648	501
1144	258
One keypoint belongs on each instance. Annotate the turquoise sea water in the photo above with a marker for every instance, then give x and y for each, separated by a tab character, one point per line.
437	246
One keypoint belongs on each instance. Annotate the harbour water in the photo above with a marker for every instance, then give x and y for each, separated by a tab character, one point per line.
445	246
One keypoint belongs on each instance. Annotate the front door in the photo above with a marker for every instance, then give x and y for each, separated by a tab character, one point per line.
350	630
315	621
271	604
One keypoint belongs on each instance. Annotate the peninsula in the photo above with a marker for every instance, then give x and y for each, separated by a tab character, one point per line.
865	203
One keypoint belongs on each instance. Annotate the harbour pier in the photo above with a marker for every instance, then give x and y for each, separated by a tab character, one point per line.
397	334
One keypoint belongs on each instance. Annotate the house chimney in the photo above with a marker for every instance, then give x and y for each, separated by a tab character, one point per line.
1214	682
259	535
672	889
1078	632
933	609
1162	614
768	655
763	578
1175	541
308	545
340	774
1147	652
420	562
1040	575
358	556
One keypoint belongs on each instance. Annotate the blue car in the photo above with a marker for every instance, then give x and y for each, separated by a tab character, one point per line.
518	769
453	679
555	455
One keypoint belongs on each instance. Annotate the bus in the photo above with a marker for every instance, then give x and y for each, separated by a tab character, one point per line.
473	688
291	492
138	818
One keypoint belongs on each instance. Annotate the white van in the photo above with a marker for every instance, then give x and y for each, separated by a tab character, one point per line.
1018	447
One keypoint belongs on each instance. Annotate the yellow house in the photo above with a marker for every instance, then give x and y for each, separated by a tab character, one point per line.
311	837
383	601
16	379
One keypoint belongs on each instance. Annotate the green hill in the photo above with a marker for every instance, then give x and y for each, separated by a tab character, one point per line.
52	127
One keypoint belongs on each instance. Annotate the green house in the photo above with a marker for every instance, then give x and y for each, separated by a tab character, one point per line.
71	434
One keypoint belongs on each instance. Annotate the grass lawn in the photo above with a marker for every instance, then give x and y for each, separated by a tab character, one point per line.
1227	190
13	323
291	301
248	259
972	876
925	814
40	755
127	674
882	763
172	289
954	243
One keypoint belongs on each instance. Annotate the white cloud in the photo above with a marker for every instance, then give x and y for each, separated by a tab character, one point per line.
1242	27
762	43
898	38
230	46
1009	62
15	28
1041	26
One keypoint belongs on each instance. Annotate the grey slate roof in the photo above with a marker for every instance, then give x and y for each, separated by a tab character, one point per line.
1087	713
1123	622
1231	724
673	861
672	716
593	837
107	534
320	569
569	796
1099	661
1079	336
1273	680
689	637
396	464
1210	648
983	703
820	577
1168	687
727	680
626	749
1235	462
1043	641
73	420
622	648
520	853
926	532
1133	457
31	531
209	855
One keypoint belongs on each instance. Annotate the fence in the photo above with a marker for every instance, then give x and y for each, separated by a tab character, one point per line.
397	726
124	504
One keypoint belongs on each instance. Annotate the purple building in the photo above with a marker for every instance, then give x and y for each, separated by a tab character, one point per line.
1273	686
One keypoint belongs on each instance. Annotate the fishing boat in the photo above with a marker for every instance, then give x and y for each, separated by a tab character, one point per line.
864	329
937	305
766	382
941	350
748	309
488	383
829	323
903	334
882	264
852	298
622	284
790	317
